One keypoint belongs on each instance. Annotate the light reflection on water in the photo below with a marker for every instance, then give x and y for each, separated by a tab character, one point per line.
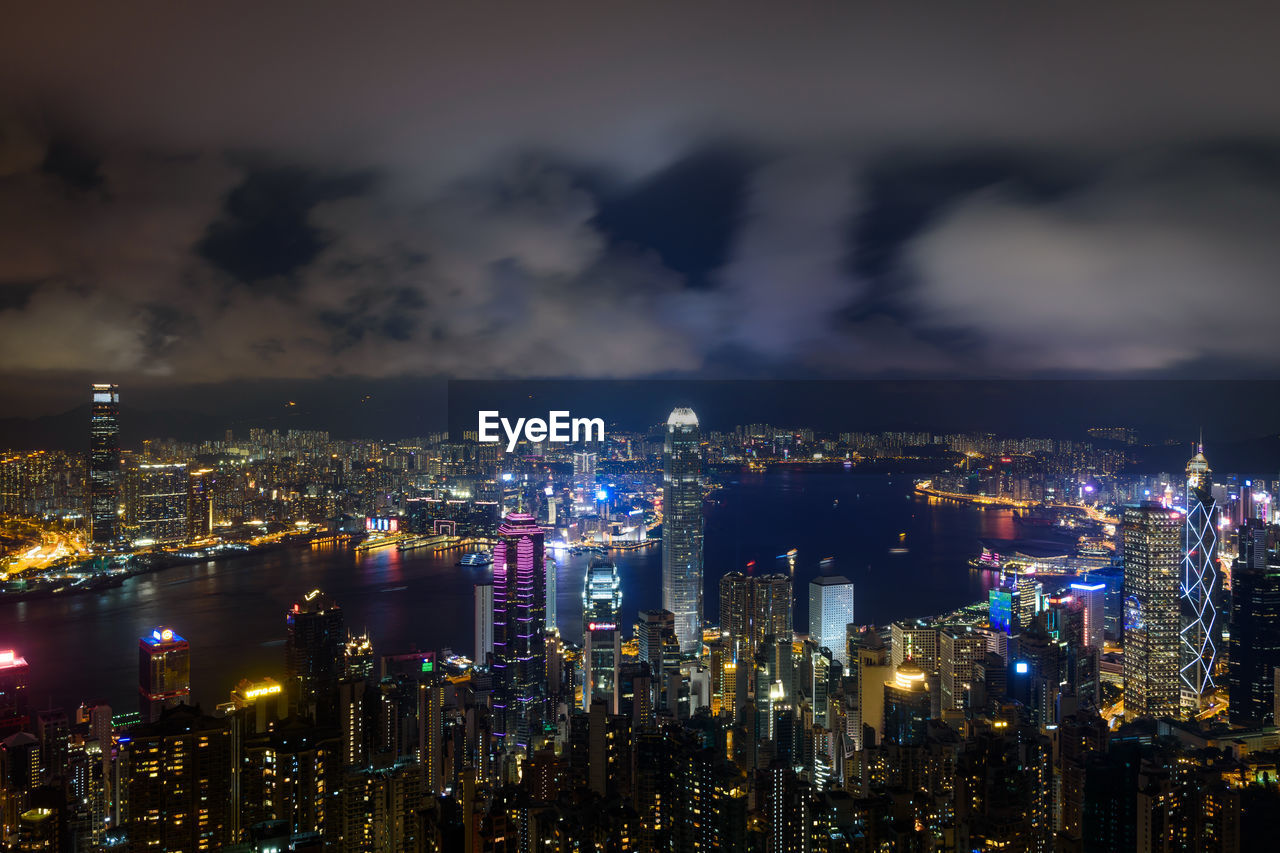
85	647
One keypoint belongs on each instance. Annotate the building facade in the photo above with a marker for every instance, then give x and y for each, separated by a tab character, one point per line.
1201	635
831	613
104	465
1152	537
519	622
682	527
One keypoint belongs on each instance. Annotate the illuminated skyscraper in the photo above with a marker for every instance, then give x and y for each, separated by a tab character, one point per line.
550	591
483	623
959	648
1001	608
916	642
1201	588
830	613
262	702
357	656
314	657
602	639
870	671
682	527
601	593
178	774
519	622
1152	558
14	714
753	608
659	647
160	515
907	706
601	658
164	672
771	609
291	774
104	465
1027	600
38	830
735	612
199	503
1091	596
584	474
1254	651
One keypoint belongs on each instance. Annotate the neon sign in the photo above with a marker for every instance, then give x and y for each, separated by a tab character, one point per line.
268	690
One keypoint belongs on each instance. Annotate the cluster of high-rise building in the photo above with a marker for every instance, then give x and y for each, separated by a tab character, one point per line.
1129	708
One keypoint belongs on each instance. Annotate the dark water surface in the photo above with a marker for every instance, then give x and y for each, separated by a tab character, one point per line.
233	612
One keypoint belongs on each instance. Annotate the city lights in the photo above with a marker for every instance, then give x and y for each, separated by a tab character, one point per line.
639	428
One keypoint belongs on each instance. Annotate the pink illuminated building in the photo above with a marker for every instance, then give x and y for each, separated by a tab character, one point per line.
519	623
14	716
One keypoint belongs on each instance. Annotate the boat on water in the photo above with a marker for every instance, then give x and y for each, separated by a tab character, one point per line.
476	558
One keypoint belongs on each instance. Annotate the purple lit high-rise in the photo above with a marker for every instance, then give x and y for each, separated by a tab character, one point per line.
519	623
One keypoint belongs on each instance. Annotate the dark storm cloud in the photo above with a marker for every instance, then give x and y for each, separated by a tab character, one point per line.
264	232
624	190
687	212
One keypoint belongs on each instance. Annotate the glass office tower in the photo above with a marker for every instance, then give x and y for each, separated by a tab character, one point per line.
682	527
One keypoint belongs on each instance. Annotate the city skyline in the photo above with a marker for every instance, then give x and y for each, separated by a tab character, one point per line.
409	728
929	493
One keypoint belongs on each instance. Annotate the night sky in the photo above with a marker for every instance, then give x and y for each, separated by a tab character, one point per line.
232	204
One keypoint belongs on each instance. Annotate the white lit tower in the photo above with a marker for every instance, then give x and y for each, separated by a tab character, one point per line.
584	475
682	527
602	636
830	613
1201	635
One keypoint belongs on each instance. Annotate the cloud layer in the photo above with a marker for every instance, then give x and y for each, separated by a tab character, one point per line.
204	194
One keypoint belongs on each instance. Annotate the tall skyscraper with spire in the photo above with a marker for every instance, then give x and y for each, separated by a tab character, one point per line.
104	465
1201	636
682	527
519	625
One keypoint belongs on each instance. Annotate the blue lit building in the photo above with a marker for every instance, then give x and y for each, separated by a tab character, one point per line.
164	672
1201	589
1000	608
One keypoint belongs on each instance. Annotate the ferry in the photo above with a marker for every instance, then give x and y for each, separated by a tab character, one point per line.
474	559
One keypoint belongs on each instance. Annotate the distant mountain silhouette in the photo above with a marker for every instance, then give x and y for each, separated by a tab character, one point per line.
69	430
1254	456
391	418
